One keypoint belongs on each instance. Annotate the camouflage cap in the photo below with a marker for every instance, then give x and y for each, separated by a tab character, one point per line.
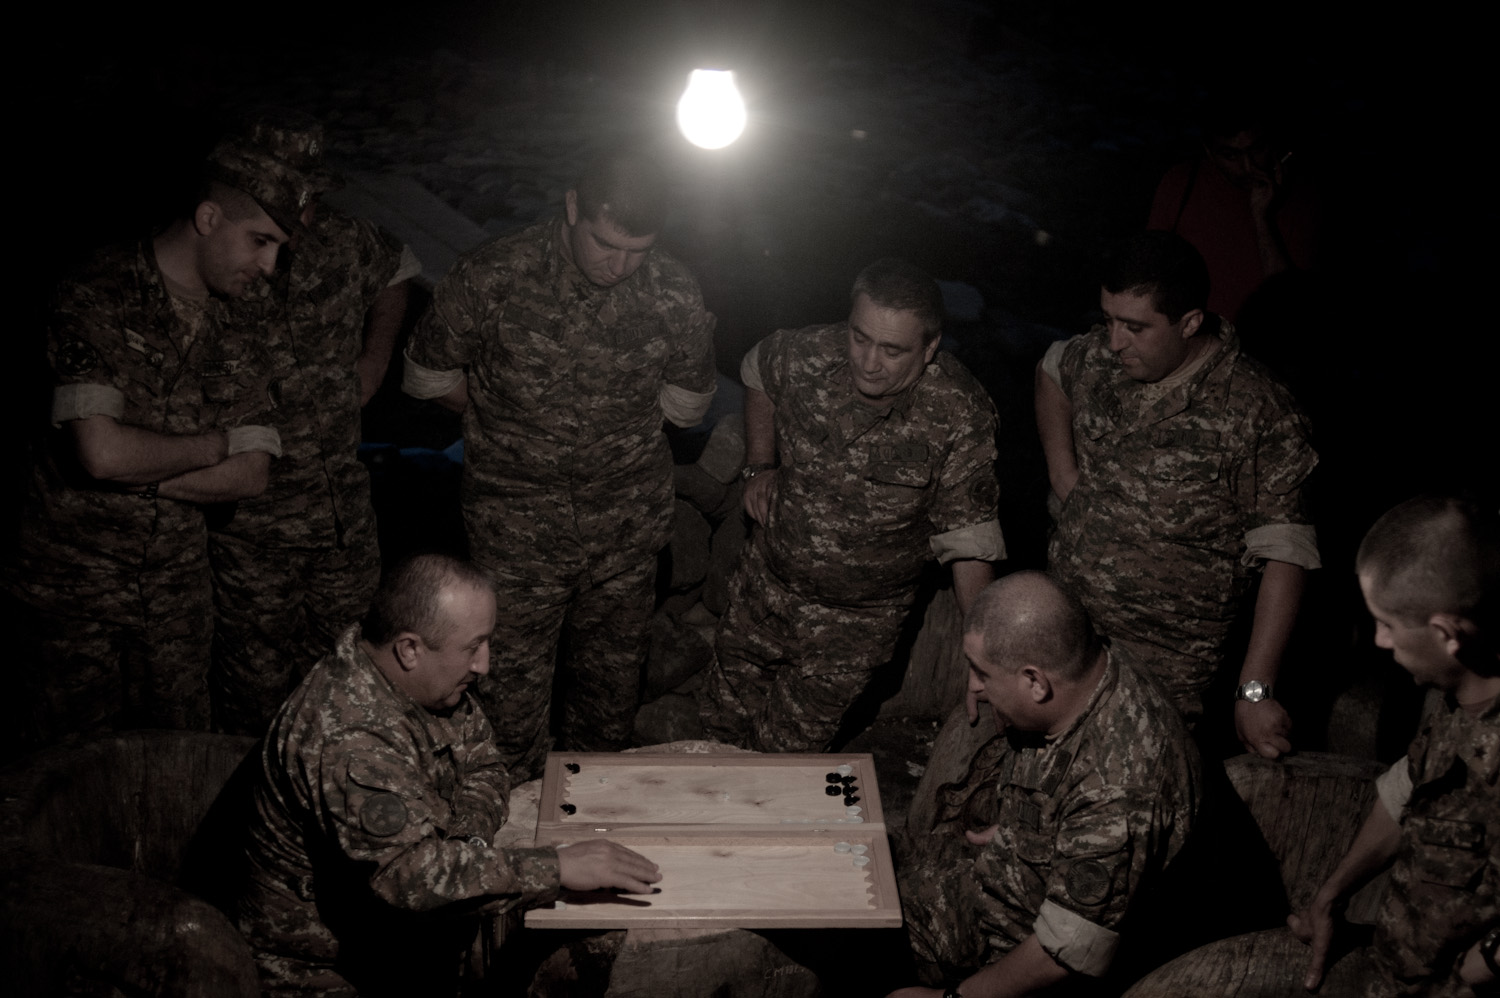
276	158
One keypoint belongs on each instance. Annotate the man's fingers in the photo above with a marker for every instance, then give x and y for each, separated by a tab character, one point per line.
981	838
1316	933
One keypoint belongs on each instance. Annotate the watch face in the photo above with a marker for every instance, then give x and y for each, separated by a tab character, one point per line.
1254	691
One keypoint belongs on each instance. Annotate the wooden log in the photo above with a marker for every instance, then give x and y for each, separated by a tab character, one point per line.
92	838
1268	964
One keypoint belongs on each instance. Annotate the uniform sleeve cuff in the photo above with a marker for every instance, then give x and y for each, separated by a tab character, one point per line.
254	438
682	407
408	268
1074	941
425	383
1394	789
1052	361
750	370
1293	543
980	542
70	402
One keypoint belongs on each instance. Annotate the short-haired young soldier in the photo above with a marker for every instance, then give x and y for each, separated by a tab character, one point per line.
1430	573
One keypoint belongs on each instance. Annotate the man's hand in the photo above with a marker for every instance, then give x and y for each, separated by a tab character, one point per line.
1314	926
1264	728
594	864
1472	970
758	494
917	993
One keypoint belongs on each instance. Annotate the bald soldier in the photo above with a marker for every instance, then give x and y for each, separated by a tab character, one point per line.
379	793
1430	573
1086	792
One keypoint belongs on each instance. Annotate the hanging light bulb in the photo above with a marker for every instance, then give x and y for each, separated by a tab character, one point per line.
711	113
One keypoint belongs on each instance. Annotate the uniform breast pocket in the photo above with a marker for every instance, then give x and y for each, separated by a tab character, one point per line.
1448	853
898	490
1186	457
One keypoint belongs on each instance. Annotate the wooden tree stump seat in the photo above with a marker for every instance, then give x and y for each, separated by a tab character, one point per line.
95	841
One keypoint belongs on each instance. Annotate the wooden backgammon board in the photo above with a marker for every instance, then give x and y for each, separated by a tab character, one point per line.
743	840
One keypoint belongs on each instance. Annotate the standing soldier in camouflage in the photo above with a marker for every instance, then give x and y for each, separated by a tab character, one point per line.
1083	797
886	454
379	793
293	567
1430	573
565	346
1179	463
159	410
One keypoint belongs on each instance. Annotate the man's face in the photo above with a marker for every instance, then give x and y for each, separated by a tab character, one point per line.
1148	345
1241	157
1005	692
237	254
1419	648
444	673
601	250
886	350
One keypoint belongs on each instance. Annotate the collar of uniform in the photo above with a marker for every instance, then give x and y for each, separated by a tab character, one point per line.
563	272
1108	679
901	404
439	730
1210	381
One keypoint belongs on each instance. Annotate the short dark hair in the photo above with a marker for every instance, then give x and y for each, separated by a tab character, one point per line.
1160	264
1435	554
1030	617
410	595
896	284
627	188
235	203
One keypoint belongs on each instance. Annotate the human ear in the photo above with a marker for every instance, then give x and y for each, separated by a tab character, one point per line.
206	217
1452	630
406	649
1190	322
1038	686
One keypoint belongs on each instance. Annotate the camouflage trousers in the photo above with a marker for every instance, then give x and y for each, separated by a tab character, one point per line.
297	956
598	630
941	905
128	654
277	610
787	668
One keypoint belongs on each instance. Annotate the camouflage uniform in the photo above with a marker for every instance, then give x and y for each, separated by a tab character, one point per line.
296	565
365	867
1444	892
865	497
1086	820
567	490
112	584
1181	493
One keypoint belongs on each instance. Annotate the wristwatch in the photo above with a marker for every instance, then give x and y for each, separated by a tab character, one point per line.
952	992
1254	691
749	471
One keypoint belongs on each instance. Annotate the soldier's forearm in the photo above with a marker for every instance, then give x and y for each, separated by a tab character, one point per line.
1025	970
238	477
1054	424
1276	607
760	428
117	452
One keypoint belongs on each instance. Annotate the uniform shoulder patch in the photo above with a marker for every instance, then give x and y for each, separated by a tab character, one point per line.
383	814
1088	882
984	491
76	358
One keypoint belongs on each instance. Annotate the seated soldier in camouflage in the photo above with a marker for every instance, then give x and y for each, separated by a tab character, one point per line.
1430	573
1085	794
379	792
1179	463
870	453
